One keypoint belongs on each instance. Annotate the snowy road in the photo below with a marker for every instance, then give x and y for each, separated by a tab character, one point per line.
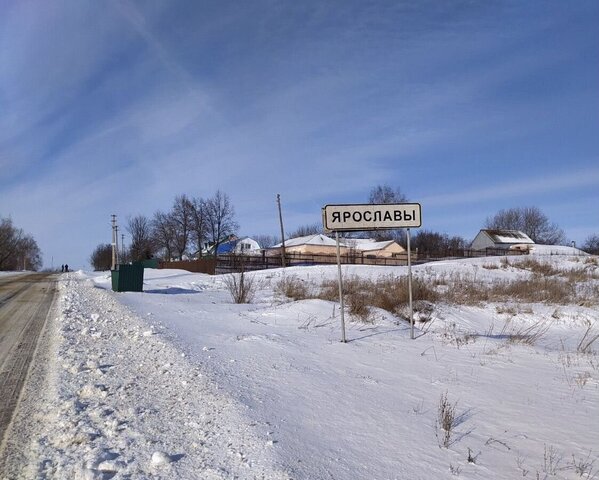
24	304
111	398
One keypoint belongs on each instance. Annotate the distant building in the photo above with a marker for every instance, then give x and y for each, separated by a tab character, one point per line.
370	248
320	244
310	244
502	239
234	246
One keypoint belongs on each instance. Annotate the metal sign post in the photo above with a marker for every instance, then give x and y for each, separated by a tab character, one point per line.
365	217
410	287
341	302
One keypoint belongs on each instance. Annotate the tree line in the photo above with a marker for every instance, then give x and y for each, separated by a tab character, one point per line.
192	227
193	224
530	220
18	250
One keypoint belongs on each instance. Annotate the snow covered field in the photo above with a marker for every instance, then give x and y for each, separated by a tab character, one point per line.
180	382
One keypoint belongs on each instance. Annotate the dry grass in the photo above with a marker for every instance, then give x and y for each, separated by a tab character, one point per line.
535	266
586	342
241	287
388	293
535	289
446	420
545	284
528	334
358	307
292	287
490	266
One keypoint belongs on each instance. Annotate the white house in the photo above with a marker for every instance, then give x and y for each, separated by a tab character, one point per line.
310	244
504	239
322	245
234	246
371	248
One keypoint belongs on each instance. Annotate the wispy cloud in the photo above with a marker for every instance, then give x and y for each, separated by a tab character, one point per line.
566	181
118	107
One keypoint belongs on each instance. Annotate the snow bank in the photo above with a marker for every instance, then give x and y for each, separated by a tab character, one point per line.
178	382
123	404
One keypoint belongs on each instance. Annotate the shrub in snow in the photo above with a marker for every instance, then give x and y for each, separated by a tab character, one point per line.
291	286
358	307
446	420
241	287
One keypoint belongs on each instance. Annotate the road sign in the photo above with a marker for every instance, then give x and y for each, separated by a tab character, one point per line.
353	217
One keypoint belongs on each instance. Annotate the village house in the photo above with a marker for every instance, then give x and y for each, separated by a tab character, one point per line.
373	249
502	239
320	244
317	244
234	246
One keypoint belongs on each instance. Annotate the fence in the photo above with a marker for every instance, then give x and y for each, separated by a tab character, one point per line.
203	265
238	263
425	256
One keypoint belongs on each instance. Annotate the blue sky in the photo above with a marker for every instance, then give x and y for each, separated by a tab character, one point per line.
469	107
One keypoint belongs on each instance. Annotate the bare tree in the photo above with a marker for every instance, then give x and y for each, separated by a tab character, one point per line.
304	230
29	254
142	242
434	242
9	241
591	244
101	258
199	224
220	218
530	220
266	241
181	217
163	234
17	249
384	194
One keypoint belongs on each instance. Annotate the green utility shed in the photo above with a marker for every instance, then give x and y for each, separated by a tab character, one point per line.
128	278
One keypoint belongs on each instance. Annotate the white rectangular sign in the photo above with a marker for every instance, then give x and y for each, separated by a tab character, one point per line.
342	218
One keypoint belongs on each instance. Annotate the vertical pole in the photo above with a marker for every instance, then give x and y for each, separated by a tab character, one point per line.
341	303
282	231
122	247
113	266
410	287
116	237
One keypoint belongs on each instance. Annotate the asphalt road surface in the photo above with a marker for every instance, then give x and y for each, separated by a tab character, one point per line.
25	300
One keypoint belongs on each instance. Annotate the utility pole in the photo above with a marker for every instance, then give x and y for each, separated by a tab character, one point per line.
122	247
113	267
116	236
282	232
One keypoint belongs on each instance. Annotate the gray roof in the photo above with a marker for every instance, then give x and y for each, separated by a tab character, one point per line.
508	236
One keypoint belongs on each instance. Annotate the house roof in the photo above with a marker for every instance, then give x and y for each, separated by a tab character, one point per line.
351	242
371	246
318	239
508	236
362	244
229	246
